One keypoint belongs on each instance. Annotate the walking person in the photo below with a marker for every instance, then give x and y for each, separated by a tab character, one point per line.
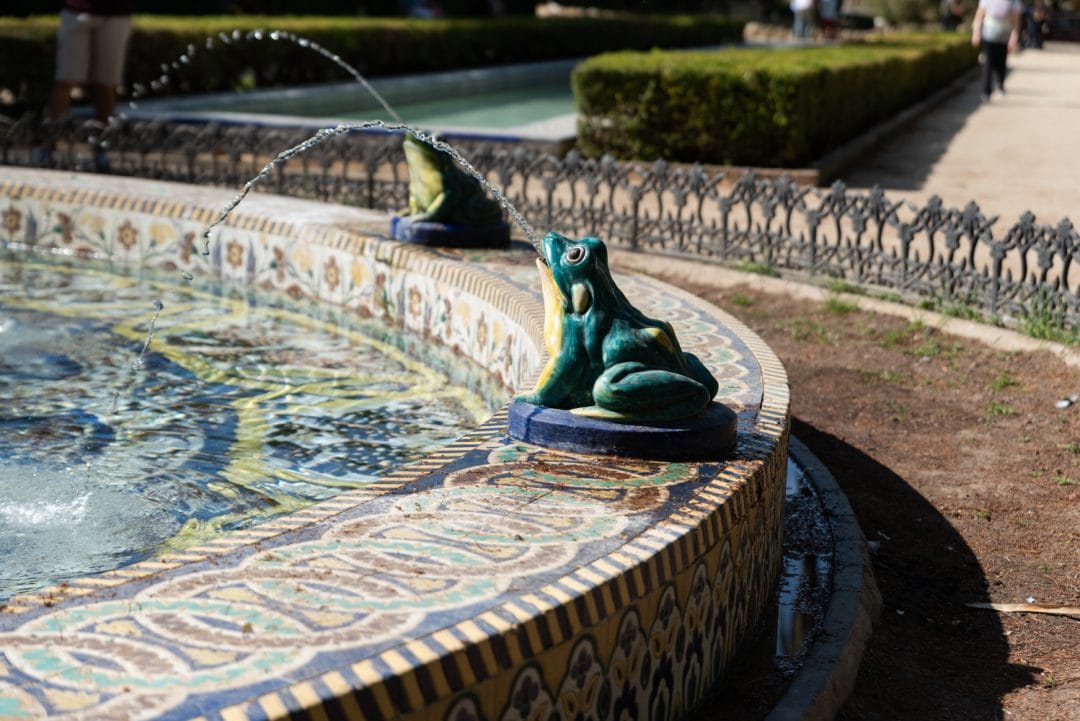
91	46
996	30
802	23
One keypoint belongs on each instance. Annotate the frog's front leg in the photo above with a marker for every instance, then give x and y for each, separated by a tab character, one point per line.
563	384
432	212
632	391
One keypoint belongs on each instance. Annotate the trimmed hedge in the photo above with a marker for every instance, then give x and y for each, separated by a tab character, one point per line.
758	107
374	46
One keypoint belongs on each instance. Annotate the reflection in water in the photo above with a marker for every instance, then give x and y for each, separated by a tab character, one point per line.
806	581
238	413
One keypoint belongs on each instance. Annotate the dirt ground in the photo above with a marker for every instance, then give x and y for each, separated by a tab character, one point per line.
965	478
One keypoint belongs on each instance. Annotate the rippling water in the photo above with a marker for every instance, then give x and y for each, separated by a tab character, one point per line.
238	411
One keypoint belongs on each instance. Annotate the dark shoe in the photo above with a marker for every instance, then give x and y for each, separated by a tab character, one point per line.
101	161
40	156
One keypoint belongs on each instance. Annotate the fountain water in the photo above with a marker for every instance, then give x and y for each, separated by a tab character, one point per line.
315	407
327	133
139	90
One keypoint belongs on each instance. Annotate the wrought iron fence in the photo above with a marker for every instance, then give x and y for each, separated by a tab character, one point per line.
956	257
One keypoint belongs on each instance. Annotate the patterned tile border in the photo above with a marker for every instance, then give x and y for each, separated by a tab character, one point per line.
492	580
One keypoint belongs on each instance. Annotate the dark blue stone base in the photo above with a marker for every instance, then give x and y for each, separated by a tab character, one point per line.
708	436
449	235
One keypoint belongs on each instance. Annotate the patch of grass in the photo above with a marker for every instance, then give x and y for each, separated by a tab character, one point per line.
900	412
839	306
958	310
1064	481
899	336
933	348
741	300
1043	568
758	268
892	297
804	329
1048	680
981	513
1073	447
836	285
927	304
1046	320
1002	381
871	377
997	410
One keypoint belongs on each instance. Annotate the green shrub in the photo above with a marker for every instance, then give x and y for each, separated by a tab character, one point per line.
374	46
762	107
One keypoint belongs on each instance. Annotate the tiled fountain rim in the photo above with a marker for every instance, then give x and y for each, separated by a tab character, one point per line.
657	553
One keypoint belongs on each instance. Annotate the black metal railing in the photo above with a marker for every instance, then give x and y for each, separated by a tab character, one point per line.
955	257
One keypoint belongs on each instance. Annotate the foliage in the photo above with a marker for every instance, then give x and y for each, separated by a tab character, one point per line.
754	106
375	46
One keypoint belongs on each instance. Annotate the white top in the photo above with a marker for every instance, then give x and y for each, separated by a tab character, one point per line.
997	21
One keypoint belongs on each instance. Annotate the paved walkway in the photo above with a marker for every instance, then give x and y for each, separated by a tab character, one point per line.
1020	151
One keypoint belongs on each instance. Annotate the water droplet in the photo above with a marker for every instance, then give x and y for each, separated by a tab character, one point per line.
303	42
258	35
236	35
187	276
275	35
158	305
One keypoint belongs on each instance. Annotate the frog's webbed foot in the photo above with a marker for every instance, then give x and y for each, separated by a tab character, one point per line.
633	392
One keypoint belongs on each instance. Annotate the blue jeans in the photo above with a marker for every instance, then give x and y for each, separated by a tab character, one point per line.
802	24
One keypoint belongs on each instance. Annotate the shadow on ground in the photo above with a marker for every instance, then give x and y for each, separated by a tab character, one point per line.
905	161
926	574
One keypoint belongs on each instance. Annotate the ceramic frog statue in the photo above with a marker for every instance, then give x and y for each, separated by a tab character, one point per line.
609	360
441	192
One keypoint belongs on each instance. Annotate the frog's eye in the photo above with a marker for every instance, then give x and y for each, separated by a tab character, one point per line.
575	255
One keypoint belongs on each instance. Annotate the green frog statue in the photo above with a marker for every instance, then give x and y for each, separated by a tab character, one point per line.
440	191
608	360
447	206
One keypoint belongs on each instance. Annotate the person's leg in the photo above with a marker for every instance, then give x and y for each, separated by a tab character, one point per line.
104	101
72	62
110	50
59	101
987	85
1001	53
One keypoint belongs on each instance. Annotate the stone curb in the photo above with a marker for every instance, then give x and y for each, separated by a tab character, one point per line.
707	273
828	674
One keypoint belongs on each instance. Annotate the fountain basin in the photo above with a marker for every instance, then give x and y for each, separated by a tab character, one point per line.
524	102
494	579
